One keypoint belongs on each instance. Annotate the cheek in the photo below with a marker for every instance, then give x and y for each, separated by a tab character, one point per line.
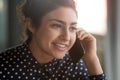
46	36
73	39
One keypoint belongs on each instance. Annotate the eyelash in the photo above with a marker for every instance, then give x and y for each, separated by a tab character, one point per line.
56	25
72	28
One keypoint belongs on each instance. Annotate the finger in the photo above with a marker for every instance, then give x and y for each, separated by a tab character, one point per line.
81	33
84	36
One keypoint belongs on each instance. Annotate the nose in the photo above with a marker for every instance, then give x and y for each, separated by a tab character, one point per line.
65	35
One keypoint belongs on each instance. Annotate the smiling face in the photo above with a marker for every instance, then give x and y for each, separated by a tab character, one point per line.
56	34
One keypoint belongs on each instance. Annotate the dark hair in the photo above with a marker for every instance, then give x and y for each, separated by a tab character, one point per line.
36	9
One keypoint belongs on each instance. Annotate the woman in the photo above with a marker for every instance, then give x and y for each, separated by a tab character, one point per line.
51	28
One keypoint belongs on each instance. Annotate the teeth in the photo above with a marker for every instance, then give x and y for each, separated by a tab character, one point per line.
61	45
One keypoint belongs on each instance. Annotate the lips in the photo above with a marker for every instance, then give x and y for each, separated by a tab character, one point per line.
61	46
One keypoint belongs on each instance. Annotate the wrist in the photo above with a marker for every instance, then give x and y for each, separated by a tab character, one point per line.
93	65
90	55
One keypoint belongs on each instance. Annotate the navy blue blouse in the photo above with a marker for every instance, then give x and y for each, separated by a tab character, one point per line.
18	63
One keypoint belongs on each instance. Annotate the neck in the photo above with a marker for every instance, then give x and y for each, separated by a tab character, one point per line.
39	55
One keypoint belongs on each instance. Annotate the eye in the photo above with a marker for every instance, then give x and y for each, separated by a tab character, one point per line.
73	29
56	25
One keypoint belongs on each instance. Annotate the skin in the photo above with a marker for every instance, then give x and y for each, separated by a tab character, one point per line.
90	57
57	34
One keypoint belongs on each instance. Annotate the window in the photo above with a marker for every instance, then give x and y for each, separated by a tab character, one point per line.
92	15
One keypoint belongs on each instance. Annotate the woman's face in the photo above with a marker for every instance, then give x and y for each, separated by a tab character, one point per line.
56	34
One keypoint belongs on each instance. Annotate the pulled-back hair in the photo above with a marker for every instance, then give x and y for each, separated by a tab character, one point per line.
36	9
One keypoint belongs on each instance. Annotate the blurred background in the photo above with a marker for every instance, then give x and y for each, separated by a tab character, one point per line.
99	17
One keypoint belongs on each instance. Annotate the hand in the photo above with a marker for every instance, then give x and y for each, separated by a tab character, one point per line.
88	42
90	57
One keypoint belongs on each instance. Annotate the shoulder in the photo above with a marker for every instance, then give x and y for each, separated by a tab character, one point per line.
12	58
6	54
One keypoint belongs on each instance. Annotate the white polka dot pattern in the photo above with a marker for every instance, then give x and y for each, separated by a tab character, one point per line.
19	64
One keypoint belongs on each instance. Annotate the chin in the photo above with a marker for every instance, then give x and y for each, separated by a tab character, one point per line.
59	56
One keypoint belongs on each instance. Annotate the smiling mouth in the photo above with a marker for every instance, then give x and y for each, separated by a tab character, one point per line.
61	46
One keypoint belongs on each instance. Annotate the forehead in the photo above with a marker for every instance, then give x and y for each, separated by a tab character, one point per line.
65	14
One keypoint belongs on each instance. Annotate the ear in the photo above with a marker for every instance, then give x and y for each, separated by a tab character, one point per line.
29	25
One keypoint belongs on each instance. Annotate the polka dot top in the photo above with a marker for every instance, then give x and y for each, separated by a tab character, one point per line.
18	63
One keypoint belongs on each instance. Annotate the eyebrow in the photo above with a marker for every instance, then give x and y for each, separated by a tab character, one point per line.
62	22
